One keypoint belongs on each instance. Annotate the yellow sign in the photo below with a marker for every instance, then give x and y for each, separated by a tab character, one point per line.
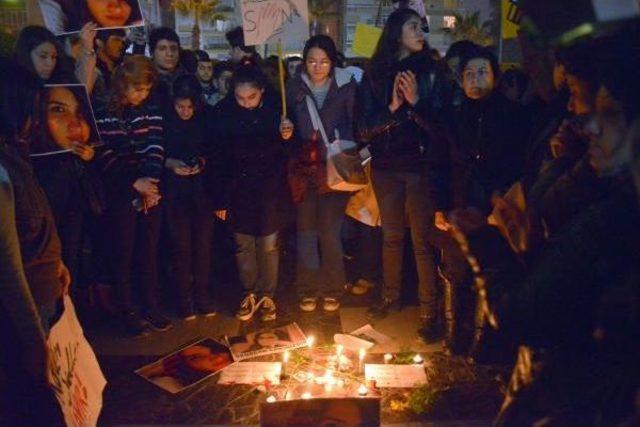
365	40
509	30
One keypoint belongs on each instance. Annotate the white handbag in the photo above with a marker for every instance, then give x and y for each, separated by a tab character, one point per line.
344	169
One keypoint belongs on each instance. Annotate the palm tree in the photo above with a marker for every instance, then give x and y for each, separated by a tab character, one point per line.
469	27
202	9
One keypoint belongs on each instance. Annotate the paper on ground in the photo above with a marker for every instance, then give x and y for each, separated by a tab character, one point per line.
396	376
251	373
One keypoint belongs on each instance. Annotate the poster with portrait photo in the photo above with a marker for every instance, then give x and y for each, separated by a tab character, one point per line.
187	366
267	341
64	118
69	16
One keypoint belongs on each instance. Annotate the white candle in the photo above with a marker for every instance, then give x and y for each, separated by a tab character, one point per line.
285	359
339	349
417	359
271	399
306	395
361	356
387	358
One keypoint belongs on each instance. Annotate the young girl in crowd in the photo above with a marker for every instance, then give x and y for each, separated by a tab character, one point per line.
38	50
64	123
132	160
188	210
251	150
396	96
320	267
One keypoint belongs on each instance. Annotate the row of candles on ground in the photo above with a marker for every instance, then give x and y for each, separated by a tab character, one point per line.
343	363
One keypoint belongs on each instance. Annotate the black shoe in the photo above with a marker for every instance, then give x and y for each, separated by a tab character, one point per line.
185	312
158	321
206	308
383	308
134	324
430	332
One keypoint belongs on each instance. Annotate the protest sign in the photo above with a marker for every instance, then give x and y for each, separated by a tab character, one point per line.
267	21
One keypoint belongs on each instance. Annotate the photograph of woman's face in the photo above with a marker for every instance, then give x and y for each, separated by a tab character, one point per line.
110	13
65	118
203	359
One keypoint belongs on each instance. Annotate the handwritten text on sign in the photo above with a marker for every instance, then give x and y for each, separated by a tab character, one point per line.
266	21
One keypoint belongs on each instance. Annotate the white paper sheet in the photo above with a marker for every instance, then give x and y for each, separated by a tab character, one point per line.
396	376
251	373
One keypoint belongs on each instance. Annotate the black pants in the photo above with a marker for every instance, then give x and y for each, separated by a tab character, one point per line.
362	246
70	232
134	247
403	195
190	230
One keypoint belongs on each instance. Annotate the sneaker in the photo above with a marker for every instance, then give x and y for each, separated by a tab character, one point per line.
361	287
430	332
267	309
330	304
158	321
383	308
206	308
308	304
247	308
134	324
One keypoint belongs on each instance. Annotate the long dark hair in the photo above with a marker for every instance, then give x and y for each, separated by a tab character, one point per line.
18	97
325	43
388	46
188	87
33	36
42	140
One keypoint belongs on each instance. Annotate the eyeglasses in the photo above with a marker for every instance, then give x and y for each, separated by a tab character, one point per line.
323	64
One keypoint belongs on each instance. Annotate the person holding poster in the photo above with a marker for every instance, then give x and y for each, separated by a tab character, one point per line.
63	133
38	51
320	266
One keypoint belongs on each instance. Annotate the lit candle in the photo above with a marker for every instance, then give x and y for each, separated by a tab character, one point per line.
362	390
310	341
285	359
306	395
361	355
417	359
387	358
339	349
271	399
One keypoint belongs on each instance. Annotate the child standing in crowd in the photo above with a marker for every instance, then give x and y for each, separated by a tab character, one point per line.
250	137
397	96
132	160
320	267
188	210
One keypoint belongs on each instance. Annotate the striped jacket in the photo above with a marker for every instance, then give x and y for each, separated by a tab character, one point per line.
135	140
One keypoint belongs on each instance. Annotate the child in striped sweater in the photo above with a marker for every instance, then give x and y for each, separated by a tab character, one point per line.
131	160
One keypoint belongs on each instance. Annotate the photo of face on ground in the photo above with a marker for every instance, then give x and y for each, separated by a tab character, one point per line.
68	16
188	366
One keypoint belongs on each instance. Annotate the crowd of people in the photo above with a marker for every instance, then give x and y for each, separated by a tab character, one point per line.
518	190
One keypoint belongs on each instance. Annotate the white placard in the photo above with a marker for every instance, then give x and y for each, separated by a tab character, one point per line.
396	376
368	333
266	21
611	10
251	373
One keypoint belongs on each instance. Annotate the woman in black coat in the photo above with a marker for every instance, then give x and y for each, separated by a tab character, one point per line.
250	156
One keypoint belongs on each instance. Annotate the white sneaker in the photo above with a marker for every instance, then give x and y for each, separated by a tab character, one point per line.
247	308
267	309
308	304
331	304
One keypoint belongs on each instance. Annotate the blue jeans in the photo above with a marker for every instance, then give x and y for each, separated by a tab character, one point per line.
320	265
257	258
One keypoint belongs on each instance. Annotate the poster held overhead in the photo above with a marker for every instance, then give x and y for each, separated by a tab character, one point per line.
266	21
69	16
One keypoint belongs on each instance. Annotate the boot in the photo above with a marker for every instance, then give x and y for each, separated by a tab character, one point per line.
449	300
